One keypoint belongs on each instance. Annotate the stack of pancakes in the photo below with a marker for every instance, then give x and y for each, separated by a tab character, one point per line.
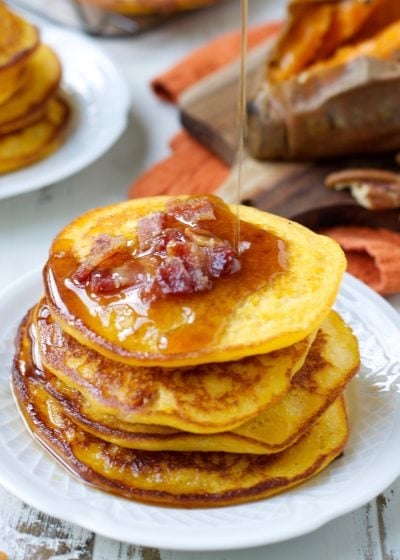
33	116
202	399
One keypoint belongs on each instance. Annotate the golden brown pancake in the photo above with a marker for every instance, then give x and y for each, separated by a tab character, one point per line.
12	81
18	41
178	478
29	104
18	38
287	283
146	7
27	146
204	399
332	360
27	120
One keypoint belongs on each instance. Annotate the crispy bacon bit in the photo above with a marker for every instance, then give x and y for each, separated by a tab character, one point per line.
173	278
195	260
103	282
104	247
110	281
169	237
191	211
150	227
204	257
223	262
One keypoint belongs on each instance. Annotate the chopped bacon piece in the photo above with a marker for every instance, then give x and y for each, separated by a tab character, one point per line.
223	261
195	259
103	282
111	280
191	211
150	227
173	278
169	237
104	247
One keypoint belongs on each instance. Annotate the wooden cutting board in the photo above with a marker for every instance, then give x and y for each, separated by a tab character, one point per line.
295	190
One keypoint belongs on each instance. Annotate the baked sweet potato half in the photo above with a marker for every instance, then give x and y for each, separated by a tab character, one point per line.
332	82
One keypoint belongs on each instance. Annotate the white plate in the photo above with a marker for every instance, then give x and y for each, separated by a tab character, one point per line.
371	461
100	100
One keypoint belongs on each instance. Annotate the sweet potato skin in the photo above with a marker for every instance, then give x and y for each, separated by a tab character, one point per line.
349	109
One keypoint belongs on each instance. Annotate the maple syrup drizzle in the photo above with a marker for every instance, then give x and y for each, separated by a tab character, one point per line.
242	115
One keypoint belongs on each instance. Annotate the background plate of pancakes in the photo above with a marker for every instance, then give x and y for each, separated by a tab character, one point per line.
97	113
370	462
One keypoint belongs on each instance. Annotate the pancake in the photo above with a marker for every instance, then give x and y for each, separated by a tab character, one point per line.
332	360
27	146
202	399
29	104
13	80
146	7
30	118
287	283
178	478
18	41
18	38
331	363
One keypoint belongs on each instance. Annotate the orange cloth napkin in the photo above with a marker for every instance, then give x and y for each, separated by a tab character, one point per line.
207	59
373	255
190	169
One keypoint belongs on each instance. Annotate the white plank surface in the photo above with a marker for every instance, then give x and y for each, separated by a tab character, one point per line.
27	226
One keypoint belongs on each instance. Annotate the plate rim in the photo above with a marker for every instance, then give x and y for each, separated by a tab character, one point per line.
205	537
76	165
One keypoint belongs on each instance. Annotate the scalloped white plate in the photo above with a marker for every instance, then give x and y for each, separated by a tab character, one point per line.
370	463
100	102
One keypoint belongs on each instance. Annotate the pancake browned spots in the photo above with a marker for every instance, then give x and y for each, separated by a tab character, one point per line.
174	478
272	430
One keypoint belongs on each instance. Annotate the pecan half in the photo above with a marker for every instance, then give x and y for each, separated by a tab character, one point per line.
371	188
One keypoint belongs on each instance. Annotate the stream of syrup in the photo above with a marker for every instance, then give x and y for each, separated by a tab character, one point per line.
242	115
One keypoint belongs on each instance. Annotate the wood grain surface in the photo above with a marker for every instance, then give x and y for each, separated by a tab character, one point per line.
370	533
298	191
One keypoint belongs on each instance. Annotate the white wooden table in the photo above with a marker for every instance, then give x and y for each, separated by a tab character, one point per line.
27	226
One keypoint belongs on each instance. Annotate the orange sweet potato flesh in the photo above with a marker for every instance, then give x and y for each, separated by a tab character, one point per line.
315	29
333	82
382	46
